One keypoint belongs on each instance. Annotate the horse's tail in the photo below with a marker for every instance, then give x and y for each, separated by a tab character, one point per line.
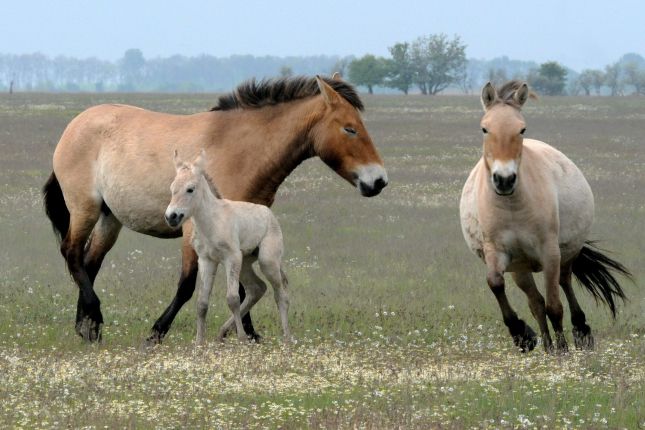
593	269
55	207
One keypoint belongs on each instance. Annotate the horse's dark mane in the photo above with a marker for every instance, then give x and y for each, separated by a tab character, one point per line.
254	94
507	91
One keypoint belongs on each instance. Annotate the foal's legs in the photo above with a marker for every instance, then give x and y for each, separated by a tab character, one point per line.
233	266
207	269
582	337
255	288
525	281
523	335
270	265
554	308
83	217
185	289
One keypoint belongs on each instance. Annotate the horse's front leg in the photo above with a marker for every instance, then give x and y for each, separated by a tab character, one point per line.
554	310
523	335
233	265
185	288
207	268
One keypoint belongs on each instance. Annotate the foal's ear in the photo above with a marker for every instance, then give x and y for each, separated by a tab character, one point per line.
489	96
330	96
176	159
522	95
199	162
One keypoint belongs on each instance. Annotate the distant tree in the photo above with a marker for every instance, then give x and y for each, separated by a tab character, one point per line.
634	76
497	76
132	67
400	73
437	62
11	87
286	71
597	80
368	71
613	79
549	79
586	81
341	66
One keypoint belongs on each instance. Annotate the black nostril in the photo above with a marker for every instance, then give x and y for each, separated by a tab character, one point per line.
379	184
511	179
173	216
496	178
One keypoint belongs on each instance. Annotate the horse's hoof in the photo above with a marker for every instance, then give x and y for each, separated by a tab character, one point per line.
152	341
561	346
254	337
582	337
523	336
89	330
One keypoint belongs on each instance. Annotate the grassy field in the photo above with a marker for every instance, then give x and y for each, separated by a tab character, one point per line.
395	325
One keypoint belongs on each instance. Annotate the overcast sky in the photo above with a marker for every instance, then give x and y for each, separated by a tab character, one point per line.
577	33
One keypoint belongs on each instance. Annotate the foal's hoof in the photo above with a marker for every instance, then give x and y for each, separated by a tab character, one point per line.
523	336
583	338
89	330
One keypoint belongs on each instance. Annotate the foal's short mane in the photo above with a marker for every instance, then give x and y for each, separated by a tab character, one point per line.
506	92
212	186
254	94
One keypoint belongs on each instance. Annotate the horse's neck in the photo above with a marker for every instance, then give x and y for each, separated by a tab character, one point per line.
207	209
288	138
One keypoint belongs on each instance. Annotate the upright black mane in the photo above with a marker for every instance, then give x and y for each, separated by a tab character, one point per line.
254	94
506	92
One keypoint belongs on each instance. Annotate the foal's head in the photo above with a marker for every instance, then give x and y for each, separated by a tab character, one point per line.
503	127
185	190
343	143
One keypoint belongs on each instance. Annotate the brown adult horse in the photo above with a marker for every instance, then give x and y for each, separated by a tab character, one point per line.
113	167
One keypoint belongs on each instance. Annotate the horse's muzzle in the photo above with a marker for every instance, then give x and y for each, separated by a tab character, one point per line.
373	190
173	219
504	185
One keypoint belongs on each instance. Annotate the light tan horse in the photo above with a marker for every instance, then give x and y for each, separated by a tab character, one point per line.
113	166
233	234
527	208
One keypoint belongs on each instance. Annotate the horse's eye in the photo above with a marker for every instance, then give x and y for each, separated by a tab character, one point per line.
523	130
349	130
190	190
484	130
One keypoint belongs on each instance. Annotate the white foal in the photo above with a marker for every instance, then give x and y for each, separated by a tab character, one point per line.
233	233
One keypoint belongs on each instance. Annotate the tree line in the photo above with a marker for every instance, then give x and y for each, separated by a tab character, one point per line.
431	64
428	65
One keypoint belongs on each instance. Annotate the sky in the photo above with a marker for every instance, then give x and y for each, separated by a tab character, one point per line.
578	33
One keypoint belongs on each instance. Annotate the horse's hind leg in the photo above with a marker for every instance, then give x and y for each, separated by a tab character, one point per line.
582	337
270	265
103	237
525	281
89	319
255	289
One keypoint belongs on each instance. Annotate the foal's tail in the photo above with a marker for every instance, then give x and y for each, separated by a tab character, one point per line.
593	269
55	207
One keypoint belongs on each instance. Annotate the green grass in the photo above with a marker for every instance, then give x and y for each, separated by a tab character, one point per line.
394	323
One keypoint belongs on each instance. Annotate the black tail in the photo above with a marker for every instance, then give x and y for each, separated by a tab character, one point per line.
593	270
55	207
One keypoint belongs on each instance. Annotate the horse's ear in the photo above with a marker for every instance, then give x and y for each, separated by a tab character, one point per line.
330	96
200	161
522	95
176	159
336	76
489	96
